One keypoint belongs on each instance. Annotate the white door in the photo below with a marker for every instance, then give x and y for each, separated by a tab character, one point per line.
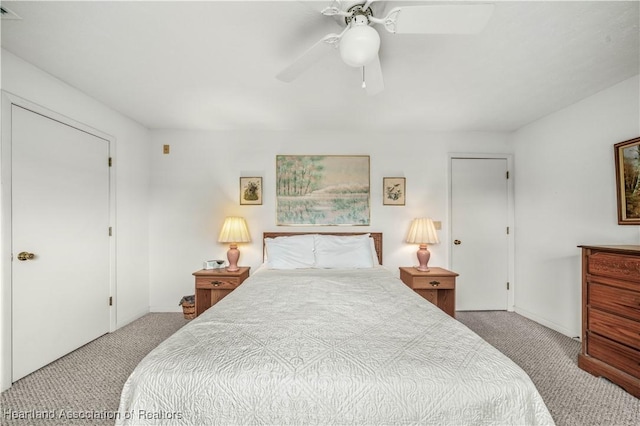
60	213
479	221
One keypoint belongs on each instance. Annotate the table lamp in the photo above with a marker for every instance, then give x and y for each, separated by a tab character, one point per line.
234	231
423	232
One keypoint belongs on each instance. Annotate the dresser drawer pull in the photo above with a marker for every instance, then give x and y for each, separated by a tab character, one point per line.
434	283
216	283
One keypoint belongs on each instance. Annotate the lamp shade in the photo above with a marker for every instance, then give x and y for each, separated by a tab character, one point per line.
422	231
359	45
234	230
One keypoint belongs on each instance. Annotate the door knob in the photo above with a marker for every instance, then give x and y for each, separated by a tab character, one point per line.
23	255
457	242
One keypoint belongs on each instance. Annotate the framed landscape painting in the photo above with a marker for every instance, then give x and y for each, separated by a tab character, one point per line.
322	190
627	157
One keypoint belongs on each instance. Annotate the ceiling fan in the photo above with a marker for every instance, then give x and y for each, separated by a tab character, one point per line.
359	42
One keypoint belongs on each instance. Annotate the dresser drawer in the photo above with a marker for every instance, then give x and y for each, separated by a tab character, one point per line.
614	300
619	356
614	266
424	283
617	328
222	283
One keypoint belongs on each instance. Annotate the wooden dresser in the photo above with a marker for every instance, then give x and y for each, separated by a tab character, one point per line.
611	314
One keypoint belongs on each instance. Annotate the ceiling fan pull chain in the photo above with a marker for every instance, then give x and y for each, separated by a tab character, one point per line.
364	84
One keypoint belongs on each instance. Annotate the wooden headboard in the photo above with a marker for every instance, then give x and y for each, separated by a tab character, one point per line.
377	238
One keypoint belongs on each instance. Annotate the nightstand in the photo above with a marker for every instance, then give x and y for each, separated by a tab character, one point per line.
214	284
438	286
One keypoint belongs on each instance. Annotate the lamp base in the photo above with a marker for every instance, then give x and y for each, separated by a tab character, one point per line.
423	258
232	256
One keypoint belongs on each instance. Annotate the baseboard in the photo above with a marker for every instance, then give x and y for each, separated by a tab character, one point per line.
165	309
546	323
132	318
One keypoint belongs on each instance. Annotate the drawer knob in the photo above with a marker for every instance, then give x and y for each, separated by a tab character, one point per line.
435	283
216	283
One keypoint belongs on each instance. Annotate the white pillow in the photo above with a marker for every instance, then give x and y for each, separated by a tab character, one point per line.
336	251
374	253
290	252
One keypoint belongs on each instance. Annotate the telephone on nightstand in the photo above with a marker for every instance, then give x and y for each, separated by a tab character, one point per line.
213	264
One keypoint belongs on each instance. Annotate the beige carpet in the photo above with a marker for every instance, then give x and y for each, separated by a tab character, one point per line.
573	396
84	386
88	381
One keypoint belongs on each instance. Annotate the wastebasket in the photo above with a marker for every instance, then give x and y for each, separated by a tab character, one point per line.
188	304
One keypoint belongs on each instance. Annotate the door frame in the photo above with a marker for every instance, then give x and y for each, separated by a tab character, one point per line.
7	100
510	214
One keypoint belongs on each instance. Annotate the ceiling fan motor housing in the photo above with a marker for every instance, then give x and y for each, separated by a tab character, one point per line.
357	10
360	44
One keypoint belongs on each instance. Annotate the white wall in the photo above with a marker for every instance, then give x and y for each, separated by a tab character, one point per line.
565	196
132	166
170	207
197	185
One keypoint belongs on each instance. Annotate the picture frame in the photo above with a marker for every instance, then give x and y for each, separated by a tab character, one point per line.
627	162
251	191
322	190
394	191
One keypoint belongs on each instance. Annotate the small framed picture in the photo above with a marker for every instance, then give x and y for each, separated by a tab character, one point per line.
393	191
251	190
627	156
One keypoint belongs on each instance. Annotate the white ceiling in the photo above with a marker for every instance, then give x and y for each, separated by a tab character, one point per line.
212	64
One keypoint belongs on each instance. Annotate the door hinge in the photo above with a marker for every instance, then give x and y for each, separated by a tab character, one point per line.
110	300
110	231
507	230
507	285
507	174
110	162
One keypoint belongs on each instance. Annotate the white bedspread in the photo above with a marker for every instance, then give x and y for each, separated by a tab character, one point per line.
306	347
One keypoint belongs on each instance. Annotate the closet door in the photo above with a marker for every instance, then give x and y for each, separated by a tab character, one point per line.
479	220
60	215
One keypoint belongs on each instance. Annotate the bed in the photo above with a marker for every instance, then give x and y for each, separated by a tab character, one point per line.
327	345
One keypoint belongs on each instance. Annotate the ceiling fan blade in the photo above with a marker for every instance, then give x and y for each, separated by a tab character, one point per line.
439	19
373	77
308	58
367	4
335	9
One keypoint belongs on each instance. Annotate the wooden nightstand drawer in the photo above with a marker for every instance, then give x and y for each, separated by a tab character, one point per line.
213	282
212	285
431	283
438	286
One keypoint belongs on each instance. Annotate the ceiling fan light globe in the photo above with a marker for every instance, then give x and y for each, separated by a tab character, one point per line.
359	46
